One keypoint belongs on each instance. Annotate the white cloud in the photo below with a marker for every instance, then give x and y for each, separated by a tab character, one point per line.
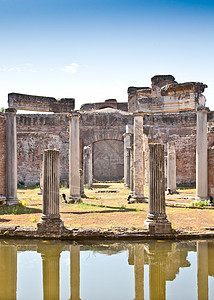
19	68
71	68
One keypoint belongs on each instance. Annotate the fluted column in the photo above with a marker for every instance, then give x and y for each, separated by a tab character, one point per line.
8	272
11	157
139	172
202	270
156	220
82	193
201	154
75	272
171	168
50	221
139	271
50	265
74	158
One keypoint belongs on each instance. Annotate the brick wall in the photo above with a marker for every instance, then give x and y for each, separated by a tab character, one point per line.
2	153
35	133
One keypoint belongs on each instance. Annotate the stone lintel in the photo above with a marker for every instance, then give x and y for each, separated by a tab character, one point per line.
40	103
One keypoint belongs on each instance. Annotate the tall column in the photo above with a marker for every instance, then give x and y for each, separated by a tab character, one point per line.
50	221
50	265
41	174
201	154
11	157
74	158
8	272
75	272
87	164
171	168
139	171
82	193
131	171
202	270
156	220
127	144
139	271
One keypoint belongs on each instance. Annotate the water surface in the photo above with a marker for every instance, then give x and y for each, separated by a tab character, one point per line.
150	270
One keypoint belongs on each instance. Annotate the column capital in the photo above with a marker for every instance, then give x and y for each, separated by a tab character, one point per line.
201	108
74	114
11	110
138	114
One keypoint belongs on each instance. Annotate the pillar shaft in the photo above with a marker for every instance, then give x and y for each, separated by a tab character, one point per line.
201	154
171	168
139	171
41	174
50	221
87	165
74	158
156	220
75	272
11	157
127	145
81	183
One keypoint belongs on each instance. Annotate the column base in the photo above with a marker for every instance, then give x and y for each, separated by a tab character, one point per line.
74	199
50	226
171	192
39	193
158	226
139	198
11	201
202	198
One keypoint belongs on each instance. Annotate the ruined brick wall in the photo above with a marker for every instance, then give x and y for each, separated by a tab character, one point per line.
2	153
36	132
180	128
104	130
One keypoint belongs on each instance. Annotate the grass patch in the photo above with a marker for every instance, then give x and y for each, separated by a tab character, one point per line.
18	209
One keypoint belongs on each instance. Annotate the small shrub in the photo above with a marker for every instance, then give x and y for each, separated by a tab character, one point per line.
200	203
33	219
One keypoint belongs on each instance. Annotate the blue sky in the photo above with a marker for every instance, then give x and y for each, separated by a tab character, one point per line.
93	50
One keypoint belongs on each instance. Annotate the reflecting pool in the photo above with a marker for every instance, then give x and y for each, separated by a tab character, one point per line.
149	270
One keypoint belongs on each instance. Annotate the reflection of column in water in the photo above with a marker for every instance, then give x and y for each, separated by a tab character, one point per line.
75	272
157	254
50	263
202	270
8	272
139	271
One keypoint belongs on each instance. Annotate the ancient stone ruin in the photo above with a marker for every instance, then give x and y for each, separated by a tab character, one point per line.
109	141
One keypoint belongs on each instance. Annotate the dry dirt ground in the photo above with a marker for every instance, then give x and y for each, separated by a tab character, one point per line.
106	206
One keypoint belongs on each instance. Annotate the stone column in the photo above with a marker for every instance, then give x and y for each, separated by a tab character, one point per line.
156	220
50	221
82	193
74	158
41	174
127	145
131	171
201	154
8	272
75	272
11	157
50	265
139	271
139	171
202	270
171	168
88	167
